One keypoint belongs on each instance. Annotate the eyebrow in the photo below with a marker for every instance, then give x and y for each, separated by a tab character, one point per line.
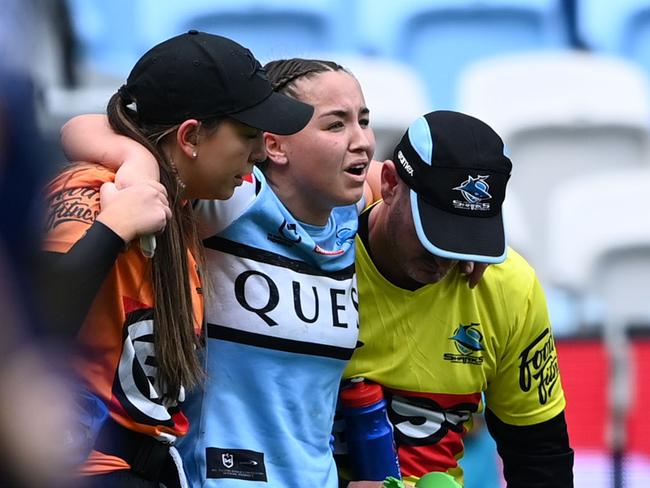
343	113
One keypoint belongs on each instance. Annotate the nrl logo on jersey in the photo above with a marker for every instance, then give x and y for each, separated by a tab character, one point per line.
228	460
467	340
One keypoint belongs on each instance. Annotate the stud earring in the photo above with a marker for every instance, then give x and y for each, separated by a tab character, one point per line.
194	154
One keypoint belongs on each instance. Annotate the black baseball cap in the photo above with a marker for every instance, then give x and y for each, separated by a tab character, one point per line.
457	172
200	75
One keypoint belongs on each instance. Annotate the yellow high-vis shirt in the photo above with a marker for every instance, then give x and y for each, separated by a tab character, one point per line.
439	349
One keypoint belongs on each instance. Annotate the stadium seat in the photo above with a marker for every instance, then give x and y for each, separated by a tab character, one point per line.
440	37
109	35
518	232
394	93
556	126
272	29
619	28
599	240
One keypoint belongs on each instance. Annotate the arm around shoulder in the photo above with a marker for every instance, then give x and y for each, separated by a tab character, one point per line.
90	138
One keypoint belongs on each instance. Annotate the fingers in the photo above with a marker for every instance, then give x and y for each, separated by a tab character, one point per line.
473	271
168	213
107	193
477	274
466	267
165	212
140	209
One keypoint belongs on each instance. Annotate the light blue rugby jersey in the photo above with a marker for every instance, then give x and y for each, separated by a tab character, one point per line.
281	326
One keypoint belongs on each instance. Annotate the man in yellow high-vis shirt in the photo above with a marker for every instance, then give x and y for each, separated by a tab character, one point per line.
443	351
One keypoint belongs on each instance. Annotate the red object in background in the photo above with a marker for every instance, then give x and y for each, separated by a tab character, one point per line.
639	420
584	370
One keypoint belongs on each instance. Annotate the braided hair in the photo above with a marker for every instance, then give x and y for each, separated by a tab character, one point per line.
284	73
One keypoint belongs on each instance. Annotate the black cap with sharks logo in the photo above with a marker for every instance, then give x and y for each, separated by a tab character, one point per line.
457	171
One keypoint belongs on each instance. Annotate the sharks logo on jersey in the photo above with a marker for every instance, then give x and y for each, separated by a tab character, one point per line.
475	191
467	339
287	234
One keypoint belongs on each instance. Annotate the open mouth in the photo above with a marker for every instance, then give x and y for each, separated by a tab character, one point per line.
356	169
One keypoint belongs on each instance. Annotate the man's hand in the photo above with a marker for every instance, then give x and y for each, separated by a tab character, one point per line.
473	271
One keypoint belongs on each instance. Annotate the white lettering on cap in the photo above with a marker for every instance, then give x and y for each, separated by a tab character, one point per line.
405	164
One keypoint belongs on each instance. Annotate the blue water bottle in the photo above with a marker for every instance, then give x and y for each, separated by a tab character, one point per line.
369	434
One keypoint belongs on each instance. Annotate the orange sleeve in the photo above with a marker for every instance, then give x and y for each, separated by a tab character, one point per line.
72	205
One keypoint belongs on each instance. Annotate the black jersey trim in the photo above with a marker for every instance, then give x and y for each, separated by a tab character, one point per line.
248	252
221	332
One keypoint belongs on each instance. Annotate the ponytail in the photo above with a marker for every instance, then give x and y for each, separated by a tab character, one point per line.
175	340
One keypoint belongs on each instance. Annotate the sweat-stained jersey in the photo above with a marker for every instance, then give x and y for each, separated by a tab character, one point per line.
116	356
282	324
435	350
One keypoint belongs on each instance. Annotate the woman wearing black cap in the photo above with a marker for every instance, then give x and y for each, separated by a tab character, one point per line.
282	322
198	103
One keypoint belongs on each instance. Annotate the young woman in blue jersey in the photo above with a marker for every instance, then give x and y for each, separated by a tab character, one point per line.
282	321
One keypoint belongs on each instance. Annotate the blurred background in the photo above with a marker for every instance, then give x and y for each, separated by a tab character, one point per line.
565	83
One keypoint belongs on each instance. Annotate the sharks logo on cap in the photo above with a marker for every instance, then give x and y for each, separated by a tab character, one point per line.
475	191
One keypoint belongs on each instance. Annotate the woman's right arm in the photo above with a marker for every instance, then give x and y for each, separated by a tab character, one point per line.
90	138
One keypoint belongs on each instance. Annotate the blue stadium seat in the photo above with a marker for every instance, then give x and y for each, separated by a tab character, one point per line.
108	33
440	37
603	251
621	28
557	127
394	93
272	29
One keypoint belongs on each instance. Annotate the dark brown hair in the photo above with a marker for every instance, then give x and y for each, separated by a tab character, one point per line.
284	73
174	338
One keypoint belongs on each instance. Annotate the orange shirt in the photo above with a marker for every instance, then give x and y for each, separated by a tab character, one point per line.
116	351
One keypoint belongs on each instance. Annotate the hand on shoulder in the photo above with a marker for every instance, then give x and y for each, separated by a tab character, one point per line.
138	210
474	271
